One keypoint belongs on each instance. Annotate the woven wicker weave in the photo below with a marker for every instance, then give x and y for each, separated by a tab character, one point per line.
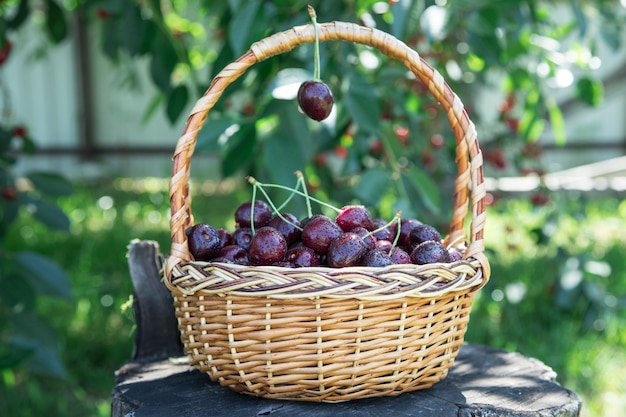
324	334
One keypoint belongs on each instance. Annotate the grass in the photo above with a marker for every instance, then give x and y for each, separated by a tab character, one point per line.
557	292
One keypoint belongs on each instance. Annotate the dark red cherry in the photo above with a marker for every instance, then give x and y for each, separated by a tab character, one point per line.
400	256
234	253
242	236
203	242
318	232
262	214
429	252
406	225
386	232
422	233
315	99
350	217
301	256
268	246
369	240
455	254
289	229
377	258
346	250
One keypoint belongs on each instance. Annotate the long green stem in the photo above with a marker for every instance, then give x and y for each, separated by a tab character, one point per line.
253	181
252	210
275	209
316	47
302	183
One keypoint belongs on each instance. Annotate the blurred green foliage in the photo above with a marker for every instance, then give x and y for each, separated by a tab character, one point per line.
506	60
557	292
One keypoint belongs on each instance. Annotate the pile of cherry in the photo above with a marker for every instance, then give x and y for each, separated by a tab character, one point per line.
265	236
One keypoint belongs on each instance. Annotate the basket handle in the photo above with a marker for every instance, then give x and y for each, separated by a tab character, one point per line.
469	183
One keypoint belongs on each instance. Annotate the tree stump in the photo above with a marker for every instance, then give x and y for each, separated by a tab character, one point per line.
483	382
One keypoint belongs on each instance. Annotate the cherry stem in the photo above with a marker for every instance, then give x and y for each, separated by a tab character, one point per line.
395	240
396	218
252	210
276	210
288	199
302	183
253	181
316	48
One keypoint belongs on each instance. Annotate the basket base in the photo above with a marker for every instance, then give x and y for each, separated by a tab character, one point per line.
325	350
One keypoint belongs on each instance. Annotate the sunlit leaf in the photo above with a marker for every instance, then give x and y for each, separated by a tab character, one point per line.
590	91
286	82
211	131
402	11
245	27
557	122
241	151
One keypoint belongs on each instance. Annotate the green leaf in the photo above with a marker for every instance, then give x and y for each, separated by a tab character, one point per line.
13	356
15	291
110	38
50	184
44	275
293	126
244	29
362	103
154	104
287	78
132	29
20	16
30	332
589	91
486	47
176	102
8	213
557	122
212	130
281	158
240	151
372	185
28	146
164	60
531	124
49	214
55	21
400	13
427	188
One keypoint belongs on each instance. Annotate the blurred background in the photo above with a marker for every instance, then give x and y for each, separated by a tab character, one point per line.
94	95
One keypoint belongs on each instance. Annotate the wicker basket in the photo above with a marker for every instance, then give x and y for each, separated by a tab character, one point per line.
324	334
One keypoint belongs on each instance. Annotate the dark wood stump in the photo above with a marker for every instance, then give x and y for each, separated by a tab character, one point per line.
483	382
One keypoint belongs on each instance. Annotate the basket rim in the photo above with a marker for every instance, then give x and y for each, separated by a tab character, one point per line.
469	186
364	283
